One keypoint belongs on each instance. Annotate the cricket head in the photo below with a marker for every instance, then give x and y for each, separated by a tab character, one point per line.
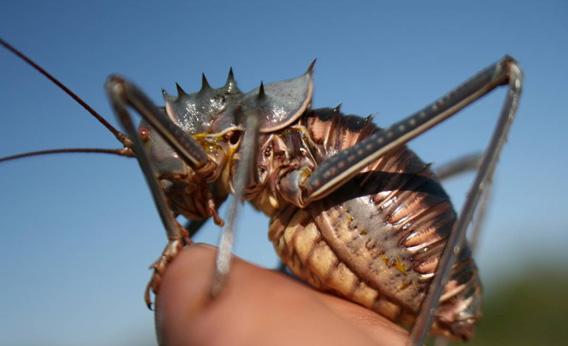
215	118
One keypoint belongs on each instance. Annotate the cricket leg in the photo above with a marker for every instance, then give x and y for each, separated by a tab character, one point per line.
454	168
247	152
340	168
122	95
462	164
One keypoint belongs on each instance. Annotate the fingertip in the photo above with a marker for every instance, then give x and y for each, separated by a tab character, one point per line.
257	306
181	295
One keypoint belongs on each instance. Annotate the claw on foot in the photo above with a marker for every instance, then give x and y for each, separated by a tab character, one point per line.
159	267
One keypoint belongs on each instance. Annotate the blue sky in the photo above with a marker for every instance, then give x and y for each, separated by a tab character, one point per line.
77	233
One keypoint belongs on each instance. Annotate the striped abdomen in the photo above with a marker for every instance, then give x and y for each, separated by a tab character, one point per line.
377	240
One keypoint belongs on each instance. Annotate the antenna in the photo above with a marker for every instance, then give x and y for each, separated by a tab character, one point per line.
122	138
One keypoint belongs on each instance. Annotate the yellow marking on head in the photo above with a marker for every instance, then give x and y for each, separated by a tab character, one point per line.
208	141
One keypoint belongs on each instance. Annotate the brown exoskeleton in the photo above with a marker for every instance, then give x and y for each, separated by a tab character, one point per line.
353	211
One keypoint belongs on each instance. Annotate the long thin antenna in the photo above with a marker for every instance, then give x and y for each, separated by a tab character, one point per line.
126	152
119	135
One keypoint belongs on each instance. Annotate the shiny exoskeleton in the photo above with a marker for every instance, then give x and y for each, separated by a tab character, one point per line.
353	211
376	240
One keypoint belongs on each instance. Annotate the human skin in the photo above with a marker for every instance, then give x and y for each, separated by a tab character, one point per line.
258	307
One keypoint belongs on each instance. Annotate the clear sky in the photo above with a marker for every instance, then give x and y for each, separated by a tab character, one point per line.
77	233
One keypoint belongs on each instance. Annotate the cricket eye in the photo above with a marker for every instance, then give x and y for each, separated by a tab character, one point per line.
234	137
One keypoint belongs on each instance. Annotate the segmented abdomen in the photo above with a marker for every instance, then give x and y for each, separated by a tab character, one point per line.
377	240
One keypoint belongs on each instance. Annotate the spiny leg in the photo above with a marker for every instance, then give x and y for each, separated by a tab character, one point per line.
122	95
331	174
476	204
507	72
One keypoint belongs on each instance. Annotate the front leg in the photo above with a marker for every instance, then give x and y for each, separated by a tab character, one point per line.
123	94
172	249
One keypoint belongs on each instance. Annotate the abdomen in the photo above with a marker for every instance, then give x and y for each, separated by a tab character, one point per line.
377	240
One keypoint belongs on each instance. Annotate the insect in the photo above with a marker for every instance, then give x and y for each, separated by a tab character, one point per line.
353	211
